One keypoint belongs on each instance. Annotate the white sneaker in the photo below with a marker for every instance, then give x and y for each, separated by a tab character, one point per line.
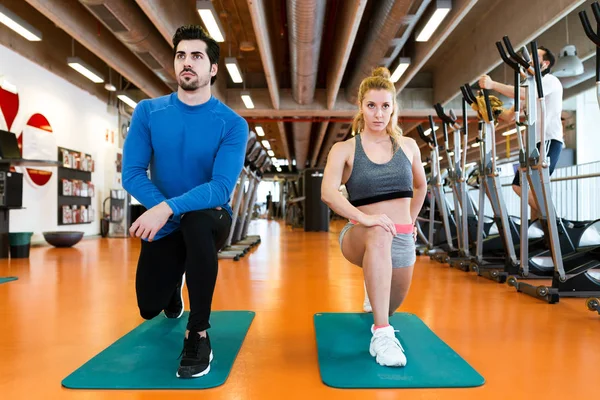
386	348
367	303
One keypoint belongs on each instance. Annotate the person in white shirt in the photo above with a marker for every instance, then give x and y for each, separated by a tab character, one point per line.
553	130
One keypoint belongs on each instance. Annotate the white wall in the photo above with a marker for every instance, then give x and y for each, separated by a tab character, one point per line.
79	121
588	118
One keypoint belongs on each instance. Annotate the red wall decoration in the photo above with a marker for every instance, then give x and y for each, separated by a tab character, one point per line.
9	107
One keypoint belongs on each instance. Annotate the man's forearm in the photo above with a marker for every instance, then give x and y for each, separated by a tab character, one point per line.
138	185
508	90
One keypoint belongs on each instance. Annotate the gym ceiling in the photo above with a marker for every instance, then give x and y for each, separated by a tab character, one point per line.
301	61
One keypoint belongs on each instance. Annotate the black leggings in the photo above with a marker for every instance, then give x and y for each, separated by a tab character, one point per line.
192	250
553	150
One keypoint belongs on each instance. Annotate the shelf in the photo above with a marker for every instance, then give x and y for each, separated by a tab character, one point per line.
73	169
77	176
21	162
85	160
76	223
74	174
74	201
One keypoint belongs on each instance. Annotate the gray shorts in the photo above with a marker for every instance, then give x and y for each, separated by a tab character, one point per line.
404	252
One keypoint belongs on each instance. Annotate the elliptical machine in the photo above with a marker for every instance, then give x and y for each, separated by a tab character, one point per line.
593	303
464	213
494	268
570	277
441	248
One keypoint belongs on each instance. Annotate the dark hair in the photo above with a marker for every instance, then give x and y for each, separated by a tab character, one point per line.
195	32
548	56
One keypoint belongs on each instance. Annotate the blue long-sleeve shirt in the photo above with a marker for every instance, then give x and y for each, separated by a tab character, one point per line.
195	155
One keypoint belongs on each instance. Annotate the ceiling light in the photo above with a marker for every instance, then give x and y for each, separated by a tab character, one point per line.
127	100
247	99
234	69
110	87
266	144
424	163
441	9
275	162
476	144
271	153
209	17
259	130
18	25
568	64
403	65
78	65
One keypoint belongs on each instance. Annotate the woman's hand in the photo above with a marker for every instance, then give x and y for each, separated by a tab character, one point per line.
379	220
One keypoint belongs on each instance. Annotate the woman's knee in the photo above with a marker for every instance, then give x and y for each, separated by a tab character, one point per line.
378	237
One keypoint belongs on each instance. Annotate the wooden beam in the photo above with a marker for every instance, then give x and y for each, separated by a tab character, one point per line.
53	58
424	51
259	22
411	103
80	24
352	12
476	53
581	87
319	143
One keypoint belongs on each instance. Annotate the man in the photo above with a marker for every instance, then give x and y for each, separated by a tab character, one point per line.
195	147
269	205
553	130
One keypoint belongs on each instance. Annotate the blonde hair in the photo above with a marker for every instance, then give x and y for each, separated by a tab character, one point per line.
379	80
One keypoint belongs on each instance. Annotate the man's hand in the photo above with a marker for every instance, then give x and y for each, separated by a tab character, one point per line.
485	82
150	222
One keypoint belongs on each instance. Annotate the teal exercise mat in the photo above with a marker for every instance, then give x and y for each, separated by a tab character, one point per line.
147	357
344	361
8	279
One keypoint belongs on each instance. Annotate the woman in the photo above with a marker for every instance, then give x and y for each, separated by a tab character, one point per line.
386	186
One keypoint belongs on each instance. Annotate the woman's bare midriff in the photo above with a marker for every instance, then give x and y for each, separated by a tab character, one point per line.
398	210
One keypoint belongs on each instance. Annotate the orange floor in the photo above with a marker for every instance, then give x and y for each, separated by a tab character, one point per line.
69	304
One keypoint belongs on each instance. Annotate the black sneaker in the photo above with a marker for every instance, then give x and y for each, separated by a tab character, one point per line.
195	356
175	307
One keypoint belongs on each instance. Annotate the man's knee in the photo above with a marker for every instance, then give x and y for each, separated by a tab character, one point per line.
149	314
197	218
197	223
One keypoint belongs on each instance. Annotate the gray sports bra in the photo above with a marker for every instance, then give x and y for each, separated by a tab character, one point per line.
371	183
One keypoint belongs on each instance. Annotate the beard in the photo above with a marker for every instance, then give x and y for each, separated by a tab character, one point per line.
191	83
